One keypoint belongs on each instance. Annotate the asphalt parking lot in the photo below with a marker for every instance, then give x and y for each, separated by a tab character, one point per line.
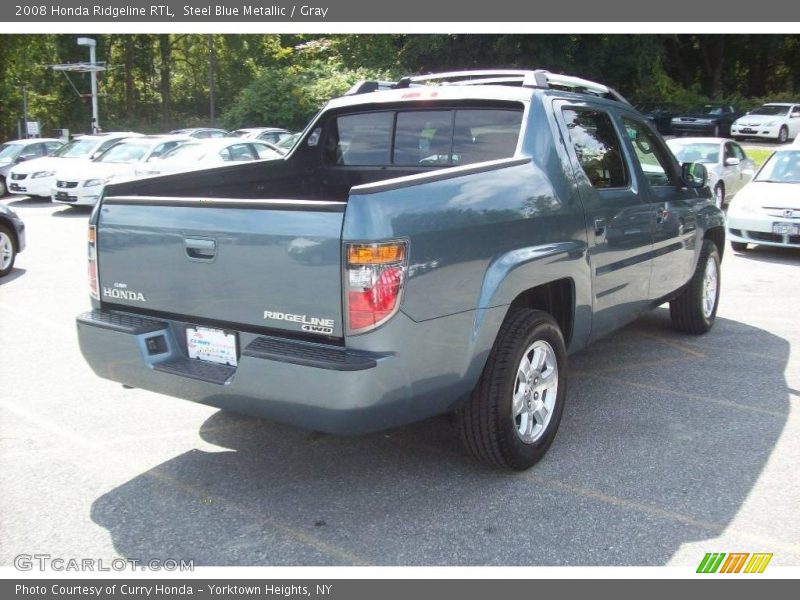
670	447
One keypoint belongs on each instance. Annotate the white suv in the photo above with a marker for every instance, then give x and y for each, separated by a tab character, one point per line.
777	120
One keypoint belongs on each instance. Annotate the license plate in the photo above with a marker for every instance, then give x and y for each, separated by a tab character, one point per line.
62	195
211	345
786	229
13	187
748	130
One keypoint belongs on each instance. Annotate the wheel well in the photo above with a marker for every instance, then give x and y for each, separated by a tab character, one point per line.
12	230
717	235
556	298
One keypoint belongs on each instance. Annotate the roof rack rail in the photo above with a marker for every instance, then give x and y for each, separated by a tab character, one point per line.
538	78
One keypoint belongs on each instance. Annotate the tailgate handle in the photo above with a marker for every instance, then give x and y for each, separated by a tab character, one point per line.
200	249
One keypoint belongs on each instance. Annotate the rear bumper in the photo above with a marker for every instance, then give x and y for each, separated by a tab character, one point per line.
310	385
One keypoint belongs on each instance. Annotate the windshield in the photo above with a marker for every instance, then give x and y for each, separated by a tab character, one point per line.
288	142
781	167
187	151
771	110
704	153
75	149
239	133
10	151
126	152
707	109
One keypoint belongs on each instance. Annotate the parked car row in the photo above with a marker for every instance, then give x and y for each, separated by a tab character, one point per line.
75	173
778	121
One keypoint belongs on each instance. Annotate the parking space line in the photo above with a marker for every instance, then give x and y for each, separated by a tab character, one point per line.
651	363
672	344
339	554
663	390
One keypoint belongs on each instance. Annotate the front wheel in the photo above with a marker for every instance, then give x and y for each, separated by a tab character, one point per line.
8	251
783	135
695	309
2	187
513	414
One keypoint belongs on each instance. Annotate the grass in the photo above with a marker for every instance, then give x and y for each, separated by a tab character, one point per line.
759	155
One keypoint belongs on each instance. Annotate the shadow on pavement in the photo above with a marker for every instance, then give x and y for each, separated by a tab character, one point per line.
73	212
782	256
15	273
27	202
662	439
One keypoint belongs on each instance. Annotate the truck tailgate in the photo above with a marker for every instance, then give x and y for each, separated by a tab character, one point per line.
272	264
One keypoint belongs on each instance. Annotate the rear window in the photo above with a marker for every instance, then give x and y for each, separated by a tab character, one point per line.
423	138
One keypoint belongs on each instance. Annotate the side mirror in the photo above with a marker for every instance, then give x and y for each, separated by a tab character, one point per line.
21	159
732	161
694	175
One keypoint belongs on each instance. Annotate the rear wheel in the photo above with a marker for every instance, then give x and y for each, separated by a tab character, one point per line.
513	414
8	251
739	246
717	130
695	309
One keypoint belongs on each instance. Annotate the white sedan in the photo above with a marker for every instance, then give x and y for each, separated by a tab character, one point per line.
767	210
84	184
204	154
729	168
778	121
37	177
273	135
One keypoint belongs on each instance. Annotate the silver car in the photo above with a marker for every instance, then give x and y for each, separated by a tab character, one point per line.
729	168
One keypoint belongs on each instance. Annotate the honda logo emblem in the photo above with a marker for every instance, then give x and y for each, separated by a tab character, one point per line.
787	214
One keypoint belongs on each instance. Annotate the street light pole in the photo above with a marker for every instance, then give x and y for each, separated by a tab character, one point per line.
93	74
24	112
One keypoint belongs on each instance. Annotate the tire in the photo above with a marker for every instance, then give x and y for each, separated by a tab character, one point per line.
3	189
739	246
516	435
695	309
8	250
717	130
783	135
719	194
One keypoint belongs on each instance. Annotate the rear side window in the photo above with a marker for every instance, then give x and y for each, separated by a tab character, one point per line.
360	140
423	138
597	147
481	135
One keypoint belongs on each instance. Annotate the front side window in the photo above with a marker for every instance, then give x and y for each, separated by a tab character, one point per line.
597	147
652	156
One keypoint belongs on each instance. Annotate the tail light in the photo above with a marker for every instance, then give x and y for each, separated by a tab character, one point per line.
374	278
94	285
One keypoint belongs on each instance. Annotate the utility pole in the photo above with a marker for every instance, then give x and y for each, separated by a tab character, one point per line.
24	112
212	59
93	74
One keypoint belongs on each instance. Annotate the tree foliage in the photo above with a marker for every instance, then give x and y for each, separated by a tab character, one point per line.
156	82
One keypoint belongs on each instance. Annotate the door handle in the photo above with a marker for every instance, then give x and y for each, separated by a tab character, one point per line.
599	226
200	249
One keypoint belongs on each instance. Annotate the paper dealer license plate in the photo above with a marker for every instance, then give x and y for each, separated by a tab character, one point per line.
211	345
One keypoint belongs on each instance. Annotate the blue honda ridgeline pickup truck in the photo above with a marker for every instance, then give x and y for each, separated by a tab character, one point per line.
437	244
